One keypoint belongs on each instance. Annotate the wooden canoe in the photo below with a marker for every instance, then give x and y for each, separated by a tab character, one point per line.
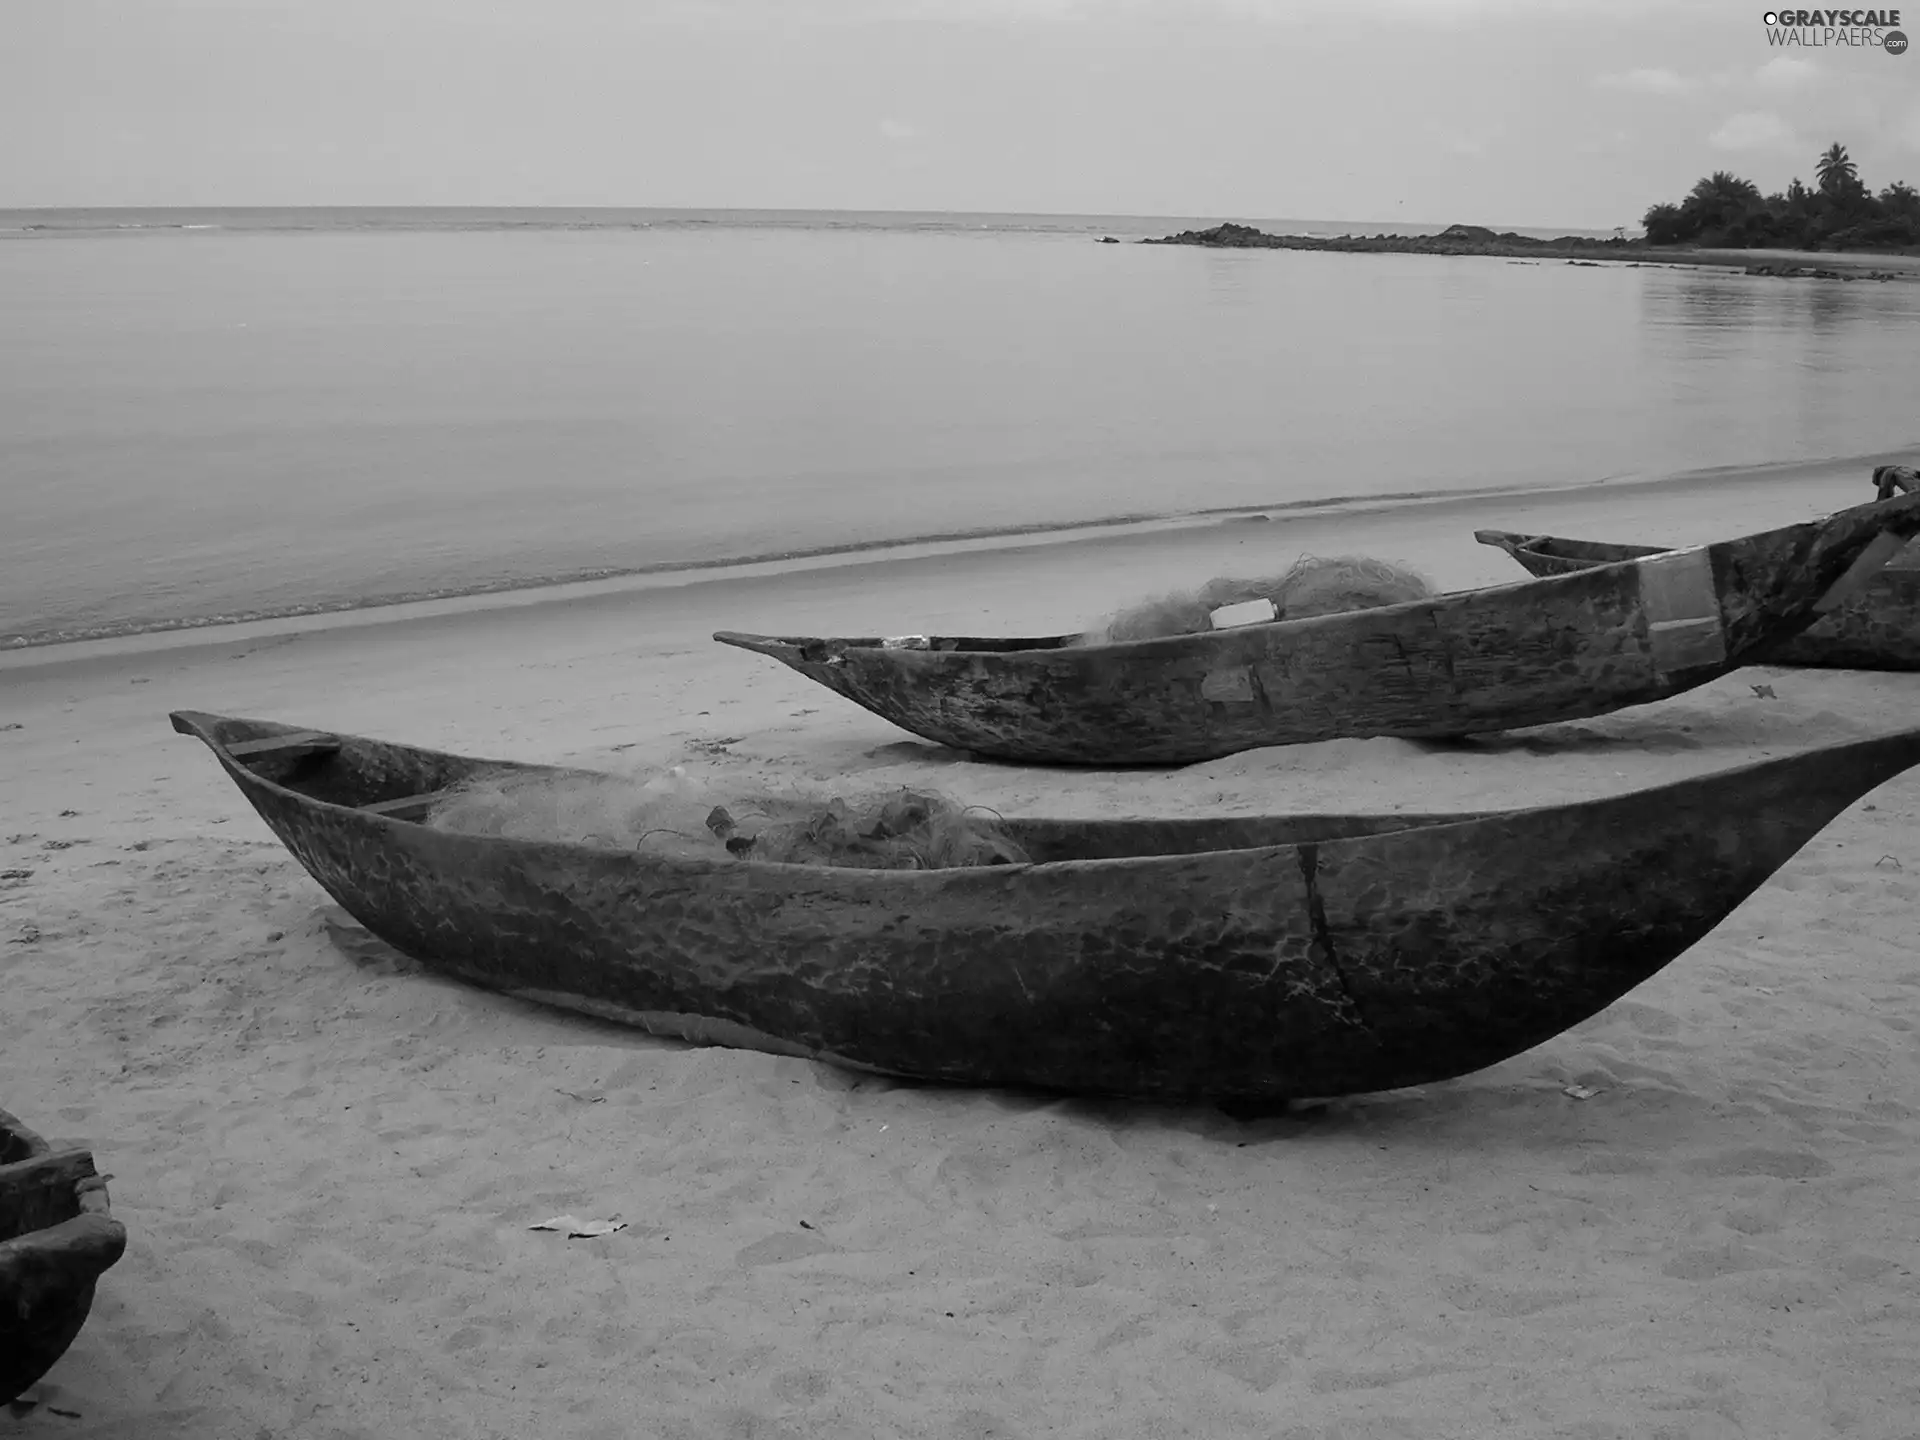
1241	959
57	1237
1876	629
1574	645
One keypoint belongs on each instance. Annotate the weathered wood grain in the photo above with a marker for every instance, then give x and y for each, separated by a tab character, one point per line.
1876	629
1587	642
1245	959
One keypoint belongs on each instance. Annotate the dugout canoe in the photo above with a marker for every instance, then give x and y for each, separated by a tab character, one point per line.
1877	628
1573	645
1233	959
57	1237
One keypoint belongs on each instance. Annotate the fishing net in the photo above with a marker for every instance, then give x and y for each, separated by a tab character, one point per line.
1313	586
896	830
907	830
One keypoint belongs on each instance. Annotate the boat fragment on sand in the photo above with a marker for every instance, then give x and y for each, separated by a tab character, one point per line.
57	1237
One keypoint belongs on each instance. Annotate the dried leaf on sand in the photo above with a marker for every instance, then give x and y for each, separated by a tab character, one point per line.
575	1228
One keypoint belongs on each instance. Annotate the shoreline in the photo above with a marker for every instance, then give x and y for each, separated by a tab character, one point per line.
146	638
1476	240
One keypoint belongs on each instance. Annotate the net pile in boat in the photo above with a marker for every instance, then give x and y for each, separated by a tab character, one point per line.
1313	586
899	830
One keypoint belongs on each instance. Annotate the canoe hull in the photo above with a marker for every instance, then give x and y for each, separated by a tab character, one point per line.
1570	646
1354	954
1877	629
56	1239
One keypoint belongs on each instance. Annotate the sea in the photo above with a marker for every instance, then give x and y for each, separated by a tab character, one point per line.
212	415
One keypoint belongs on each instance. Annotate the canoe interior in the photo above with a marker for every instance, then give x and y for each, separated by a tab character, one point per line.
362	774
821	649
1587	553
1905	559
1595	552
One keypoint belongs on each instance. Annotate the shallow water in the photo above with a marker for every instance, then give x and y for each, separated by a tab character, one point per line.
256	420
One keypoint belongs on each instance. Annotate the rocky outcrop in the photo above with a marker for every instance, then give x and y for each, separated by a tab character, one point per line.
1454	240
1479	240
1820	272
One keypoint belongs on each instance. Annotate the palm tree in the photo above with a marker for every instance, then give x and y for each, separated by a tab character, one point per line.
1719	200
1839	176
1723	187
1900	198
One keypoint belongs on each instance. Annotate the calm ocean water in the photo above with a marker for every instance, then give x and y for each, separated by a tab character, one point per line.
303	409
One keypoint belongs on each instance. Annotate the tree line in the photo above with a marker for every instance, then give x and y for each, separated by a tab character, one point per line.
1838	213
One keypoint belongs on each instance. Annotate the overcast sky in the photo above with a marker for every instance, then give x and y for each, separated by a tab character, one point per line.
1504	112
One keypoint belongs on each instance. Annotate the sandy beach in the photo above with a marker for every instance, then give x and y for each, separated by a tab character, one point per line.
1689	1218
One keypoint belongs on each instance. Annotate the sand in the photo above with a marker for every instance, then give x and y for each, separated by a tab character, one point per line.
327	1158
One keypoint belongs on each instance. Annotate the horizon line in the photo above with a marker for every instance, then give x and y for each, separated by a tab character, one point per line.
1224	216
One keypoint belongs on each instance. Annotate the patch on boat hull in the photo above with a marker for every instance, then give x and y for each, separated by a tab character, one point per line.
1225	685
1684	625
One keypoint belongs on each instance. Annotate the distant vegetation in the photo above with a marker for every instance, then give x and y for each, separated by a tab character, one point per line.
1839	213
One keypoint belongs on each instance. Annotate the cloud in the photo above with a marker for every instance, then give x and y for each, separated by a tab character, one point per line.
1474	9
1908	132
1787	73
1609	143
750	15
1016	10
1754	130
898	130
1472	143
1647	81
732	13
